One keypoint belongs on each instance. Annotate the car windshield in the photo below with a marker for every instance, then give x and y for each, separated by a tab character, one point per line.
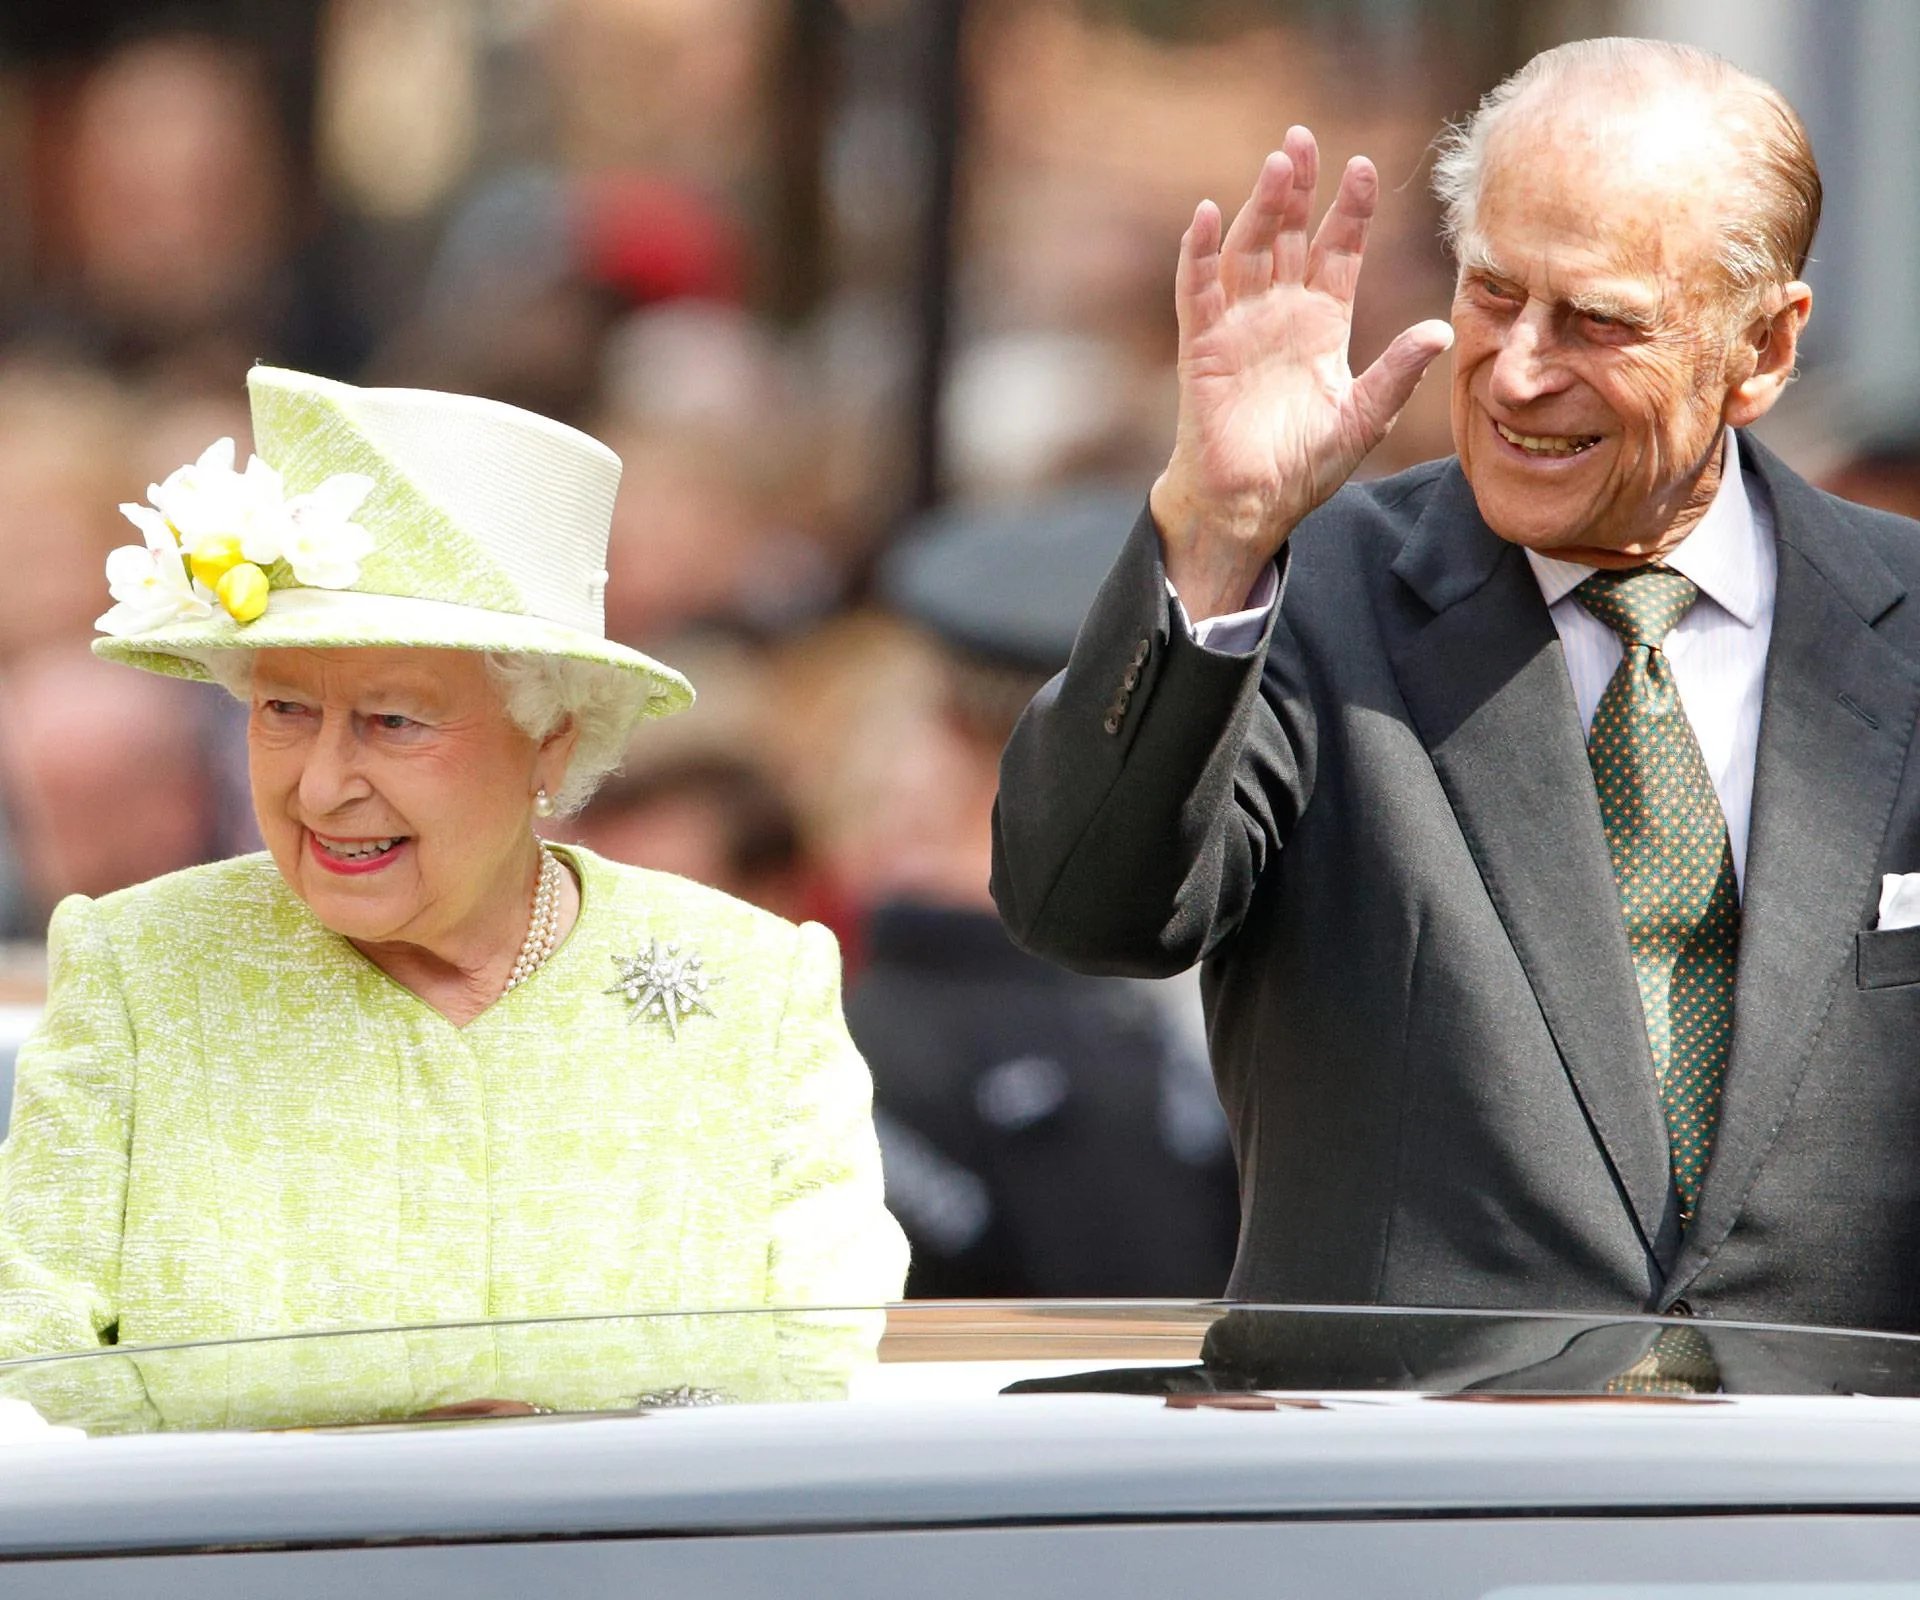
1185	1353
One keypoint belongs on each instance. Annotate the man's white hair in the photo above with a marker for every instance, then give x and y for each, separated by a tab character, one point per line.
539	692
1766	233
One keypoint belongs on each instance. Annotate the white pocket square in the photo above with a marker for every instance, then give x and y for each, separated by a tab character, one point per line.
1899	900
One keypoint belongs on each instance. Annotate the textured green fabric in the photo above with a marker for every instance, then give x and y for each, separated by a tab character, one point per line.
1667	836
308	436
229	1122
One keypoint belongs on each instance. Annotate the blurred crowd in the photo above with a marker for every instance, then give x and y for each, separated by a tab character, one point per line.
698	231
586	207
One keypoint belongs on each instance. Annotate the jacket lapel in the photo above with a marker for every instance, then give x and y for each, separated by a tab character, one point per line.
1837	717
1480	668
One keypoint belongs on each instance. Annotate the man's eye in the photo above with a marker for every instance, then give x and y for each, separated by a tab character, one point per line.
1497	291
1609	330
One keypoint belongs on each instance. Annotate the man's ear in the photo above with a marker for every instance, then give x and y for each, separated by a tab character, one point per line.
1764	355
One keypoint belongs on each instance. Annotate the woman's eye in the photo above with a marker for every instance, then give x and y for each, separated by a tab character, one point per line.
393	722
282	708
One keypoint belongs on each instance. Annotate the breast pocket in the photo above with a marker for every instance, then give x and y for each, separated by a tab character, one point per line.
1887	958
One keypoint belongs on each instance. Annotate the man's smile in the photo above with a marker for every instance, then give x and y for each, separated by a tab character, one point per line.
1546	446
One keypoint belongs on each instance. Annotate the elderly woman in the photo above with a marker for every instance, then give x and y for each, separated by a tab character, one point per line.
412	1064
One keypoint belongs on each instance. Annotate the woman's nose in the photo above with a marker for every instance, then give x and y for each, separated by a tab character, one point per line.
331	777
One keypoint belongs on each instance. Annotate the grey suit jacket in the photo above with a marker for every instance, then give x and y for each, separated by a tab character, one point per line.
1380	833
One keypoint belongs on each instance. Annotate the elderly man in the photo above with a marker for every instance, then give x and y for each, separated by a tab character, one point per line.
1530	810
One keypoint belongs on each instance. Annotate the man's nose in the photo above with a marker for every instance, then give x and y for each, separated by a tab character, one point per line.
1527	366
331	777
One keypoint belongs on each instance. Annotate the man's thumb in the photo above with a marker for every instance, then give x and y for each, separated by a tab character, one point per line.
1384	388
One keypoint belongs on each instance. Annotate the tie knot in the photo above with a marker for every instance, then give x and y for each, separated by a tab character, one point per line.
1641	604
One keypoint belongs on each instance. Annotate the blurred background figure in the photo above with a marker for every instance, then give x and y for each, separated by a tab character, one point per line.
178	202
130	800
173	214
715	523
718	819
1043	1132
67	445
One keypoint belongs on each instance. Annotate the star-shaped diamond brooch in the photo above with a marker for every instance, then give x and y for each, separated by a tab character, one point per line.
665	983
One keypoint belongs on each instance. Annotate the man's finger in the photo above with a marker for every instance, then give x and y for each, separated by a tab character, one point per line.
1290	244
1382	391
1333	265
1198	299
1246	264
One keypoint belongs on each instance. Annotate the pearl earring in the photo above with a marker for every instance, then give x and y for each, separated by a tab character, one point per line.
542	803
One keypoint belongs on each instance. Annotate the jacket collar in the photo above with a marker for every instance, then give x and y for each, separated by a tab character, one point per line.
1484	679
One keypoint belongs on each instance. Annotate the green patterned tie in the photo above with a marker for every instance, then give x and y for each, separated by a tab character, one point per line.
1679	1362
1668	839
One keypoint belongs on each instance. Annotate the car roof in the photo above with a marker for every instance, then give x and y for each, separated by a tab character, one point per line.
973	1415
948	1463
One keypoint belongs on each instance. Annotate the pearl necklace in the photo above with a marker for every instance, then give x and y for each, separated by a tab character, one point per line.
543	927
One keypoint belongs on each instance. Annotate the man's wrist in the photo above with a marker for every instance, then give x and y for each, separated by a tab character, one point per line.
1237	632
1214	553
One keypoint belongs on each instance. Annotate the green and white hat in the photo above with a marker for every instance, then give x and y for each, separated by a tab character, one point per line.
377	518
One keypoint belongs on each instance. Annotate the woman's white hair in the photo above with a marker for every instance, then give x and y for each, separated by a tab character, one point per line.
540	693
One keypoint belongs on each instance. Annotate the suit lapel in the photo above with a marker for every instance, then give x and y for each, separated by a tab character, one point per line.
1836	720
1480	668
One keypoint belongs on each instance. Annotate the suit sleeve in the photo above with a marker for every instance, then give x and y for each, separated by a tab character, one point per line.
1147	788
63	1168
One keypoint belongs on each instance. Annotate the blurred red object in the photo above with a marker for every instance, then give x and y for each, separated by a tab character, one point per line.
651	240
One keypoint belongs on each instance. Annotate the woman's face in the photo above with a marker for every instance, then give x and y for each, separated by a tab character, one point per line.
395	794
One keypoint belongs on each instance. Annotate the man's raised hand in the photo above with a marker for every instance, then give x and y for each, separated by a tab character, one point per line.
1271	419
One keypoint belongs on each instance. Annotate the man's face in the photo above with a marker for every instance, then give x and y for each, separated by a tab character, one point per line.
1592	334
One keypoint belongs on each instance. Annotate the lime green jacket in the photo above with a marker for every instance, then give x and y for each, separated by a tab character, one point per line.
230	1122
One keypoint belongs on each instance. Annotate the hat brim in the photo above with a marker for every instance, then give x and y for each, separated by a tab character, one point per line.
327	619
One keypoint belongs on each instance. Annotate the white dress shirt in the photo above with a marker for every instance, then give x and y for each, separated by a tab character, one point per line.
1718	651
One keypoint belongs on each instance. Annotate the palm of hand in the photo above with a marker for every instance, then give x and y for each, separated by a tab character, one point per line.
1272	421
1271	398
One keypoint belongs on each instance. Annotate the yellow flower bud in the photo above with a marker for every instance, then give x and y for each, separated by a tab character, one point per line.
214	557
243	591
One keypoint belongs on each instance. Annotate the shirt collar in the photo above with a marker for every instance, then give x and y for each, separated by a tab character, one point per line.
1722	555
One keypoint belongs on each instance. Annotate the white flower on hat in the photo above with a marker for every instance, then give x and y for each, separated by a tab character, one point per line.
319	538
216	535
150	580
207	500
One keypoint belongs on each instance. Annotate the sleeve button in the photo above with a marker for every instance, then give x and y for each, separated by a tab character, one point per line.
1132	680
1112	724
1140	653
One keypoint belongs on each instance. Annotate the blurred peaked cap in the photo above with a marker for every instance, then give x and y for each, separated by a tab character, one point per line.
1011	579
509	240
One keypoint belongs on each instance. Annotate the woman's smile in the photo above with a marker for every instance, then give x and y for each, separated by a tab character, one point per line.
355	857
